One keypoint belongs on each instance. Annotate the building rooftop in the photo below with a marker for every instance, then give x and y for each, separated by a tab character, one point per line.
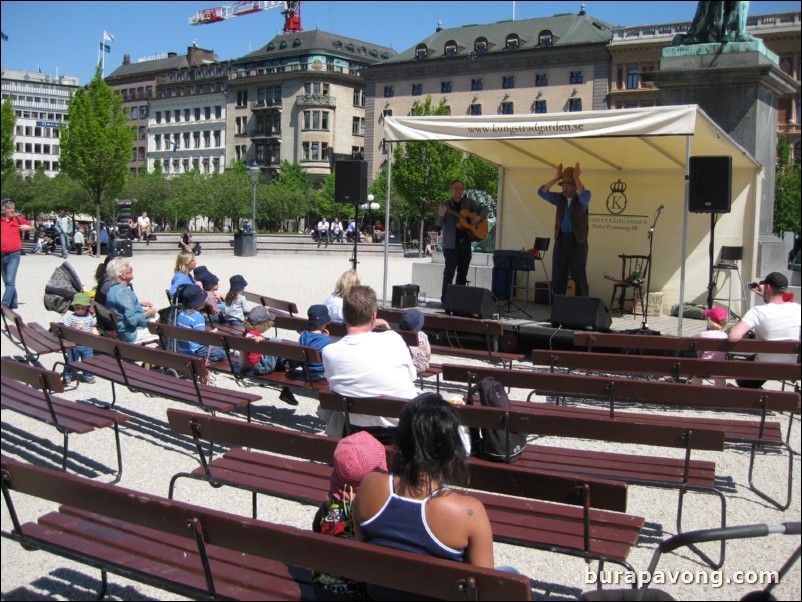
317	40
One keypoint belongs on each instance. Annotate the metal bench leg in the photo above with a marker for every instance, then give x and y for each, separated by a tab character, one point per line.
680	503
65	434
104	584
765	496
119	454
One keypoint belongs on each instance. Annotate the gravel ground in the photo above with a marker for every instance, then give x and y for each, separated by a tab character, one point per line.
151	455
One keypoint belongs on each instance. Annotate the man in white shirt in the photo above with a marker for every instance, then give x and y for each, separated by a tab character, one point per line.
336	230
143	226
776	320
365	363
323	231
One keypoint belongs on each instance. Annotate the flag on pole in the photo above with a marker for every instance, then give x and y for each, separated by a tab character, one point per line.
4	36
105	47
107	37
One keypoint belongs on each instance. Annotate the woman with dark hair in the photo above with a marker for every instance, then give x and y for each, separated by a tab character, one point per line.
413	508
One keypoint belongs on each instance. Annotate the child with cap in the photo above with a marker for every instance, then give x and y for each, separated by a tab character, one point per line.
214	302
258	320
236	307
355	457
194	299
315	336
412	320
84	320
716	329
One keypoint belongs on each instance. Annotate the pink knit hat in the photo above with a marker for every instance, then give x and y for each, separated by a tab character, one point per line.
355	457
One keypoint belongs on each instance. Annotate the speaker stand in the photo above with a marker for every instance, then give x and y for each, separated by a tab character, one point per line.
353	259
711	284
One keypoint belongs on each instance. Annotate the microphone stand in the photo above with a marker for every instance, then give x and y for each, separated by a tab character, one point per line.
644	326
353	260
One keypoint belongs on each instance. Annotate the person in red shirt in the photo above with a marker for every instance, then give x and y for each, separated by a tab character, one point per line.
11	249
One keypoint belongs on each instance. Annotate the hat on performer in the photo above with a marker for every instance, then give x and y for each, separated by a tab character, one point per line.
568	176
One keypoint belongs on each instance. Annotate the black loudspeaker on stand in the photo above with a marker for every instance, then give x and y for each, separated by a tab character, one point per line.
580	313
709	184
470	301
351	182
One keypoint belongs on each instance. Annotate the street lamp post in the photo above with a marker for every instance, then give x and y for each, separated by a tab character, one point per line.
254	173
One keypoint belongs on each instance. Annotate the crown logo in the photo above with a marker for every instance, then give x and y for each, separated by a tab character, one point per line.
618	186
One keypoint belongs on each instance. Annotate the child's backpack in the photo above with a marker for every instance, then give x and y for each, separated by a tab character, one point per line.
491	444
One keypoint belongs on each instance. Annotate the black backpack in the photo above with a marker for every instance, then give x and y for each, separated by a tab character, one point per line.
491	444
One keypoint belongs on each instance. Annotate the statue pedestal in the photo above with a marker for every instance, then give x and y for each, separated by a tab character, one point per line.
737	85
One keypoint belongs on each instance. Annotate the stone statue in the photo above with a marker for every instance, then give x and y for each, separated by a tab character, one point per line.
717	23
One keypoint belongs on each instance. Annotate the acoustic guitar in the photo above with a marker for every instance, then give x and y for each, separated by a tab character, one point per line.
464	216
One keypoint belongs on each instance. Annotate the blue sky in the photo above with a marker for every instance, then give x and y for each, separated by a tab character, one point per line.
65	35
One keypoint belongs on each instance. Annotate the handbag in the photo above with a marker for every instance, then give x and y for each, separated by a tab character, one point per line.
197	248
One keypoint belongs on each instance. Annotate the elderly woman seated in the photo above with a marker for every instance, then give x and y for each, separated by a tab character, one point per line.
132	314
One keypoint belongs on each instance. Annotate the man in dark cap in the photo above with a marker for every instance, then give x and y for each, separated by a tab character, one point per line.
570	230
775	320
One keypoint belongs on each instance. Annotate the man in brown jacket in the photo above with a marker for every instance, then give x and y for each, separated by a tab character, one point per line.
570	230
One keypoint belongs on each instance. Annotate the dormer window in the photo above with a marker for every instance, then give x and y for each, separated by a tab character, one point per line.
480	45
421	52
450	48
545	38
513	42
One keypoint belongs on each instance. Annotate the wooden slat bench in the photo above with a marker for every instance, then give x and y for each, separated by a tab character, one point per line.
207	554
646	344
337	330
114	361
34	339
28	390
756	433
672	367
232	344
450	329
650	470
277	306
584	528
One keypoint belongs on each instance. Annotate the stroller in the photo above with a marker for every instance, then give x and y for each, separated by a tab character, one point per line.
701	536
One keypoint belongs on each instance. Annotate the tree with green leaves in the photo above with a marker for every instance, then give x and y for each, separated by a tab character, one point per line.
8	123
423	171
96	146
786	189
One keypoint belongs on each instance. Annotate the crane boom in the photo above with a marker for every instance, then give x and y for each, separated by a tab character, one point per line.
291	12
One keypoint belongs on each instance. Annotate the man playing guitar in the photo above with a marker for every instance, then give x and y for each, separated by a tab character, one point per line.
460	218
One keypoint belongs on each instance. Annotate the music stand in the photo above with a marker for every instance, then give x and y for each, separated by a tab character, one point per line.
513	262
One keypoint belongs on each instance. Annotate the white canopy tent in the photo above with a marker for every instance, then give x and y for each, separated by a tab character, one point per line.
633	161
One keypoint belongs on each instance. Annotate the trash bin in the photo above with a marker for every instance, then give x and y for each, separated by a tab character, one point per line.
245	244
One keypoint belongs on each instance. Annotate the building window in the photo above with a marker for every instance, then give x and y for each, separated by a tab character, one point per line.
475	109
445	87
540	106
358	126
389	91
574	104
508	81
480	45
513	42
143	112
196	139
421	52
242	98
218	112
217	137
507	108
207	112
260	96
197	113
477	84
157	142
450	48
545	38
134	112
632	78
541	79
417	89
158	116
576	77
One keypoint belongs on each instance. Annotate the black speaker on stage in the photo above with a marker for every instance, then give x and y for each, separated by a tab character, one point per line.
351	182
710	184
580	313
470	301
405	295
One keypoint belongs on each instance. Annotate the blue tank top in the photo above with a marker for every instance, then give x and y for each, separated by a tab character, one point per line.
401	524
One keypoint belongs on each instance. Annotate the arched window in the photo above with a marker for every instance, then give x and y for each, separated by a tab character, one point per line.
271	46
480	45
513	42
545	38
421	52
283	44
450	48
296	42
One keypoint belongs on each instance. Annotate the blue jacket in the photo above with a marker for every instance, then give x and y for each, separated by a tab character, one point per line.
59	229
125	303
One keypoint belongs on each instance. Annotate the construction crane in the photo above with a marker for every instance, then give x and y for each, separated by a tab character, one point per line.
291	12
